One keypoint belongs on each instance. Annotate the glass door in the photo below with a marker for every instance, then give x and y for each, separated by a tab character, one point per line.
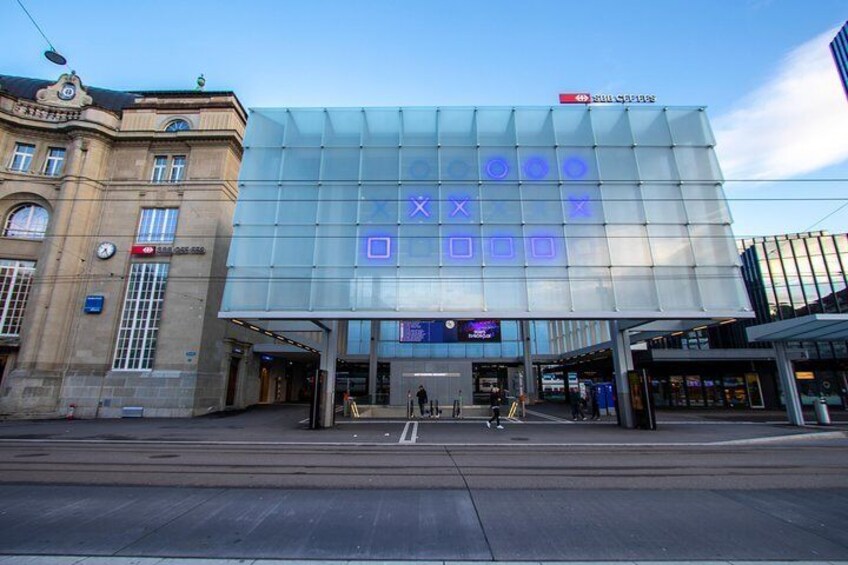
755	393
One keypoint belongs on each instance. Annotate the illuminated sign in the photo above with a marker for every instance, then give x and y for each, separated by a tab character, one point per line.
585	98
165	250
450	331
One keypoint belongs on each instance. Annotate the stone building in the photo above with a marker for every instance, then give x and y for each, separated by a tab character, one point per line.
116	213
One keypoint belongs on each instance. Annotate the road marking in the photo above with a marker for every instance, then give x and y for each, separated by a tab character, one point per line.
412	428
546	416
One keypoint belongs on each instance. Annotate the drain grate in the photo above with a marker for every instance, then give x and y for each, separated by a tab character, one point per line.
520	438
164	456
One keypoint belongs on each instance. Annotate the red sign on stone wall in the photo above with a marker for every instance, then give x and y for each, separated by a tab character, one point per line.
143	250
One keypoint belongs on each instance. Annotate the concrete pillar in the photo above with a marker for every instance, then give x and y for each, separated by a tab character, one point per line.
529	376
372	361
787	381
622	361
329	353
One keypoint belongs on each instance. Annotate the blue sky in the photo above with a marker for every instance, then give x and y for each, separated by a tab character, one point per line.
758	65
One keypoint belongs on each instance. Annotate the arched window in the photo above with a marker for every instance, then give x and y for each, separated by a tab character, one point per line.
28	221
178	125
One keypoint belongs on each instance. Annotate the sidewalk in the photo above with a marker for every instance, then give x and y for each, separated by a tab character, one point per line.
545	425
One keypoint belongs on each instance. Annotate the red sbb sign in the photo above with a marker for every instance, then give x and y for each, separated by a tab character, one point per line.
575	98
143	250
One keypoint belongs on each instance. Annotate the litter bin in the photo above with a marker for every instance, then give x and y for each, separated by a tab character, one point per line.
822	415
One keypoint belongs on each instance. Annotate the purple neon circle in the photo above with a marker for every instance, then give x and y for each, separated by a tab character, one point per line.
497	168
536	168
574	168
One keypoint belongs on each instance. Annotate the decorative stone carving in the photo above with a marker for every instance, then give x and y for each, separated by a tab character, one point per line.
67	92
46	113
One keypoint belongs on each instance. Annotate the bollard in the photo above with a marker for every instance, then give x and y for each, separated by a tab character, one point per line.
822	414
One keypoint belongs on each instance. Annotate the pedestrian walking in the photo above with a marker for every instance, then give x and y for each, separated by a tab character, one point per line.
422	399
595	401
575	400
495	402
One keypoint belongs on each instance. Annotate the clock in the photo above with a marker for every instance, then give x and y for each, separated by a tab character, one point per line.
68	91
106	249
450	324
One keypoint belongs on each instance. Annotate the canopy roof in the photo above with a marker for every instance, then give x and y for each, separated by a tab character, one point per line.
815	327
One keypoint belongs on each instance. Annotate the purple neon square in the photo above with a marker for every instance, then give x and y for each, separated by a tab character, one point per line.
542	247
503	248
379	247
460	248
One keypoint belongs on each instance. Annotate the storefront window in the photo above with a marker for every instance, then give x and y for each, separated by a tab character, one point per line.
695	390
678	391
712	392
735	393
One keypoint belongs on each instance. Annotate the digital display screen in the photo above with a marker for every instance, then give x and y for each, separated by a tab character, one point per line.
450	331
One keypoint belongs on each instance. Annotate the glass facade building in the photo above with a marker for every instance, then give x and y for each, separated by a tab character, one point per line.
507	213
839	48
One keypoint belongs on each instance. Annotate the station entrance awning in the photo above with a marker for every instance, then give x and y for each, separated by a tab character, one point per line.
815	327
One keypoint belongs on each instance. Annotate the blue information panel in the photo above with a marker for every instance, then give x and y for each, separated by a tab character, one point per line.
450	331
93	304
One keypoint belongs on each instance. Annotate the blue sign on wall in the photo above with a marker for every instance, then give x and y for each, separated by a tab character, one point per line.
93	304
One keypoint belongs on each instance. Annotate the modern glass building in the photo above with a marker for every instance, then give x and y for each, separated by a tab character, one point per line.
839	48
386	216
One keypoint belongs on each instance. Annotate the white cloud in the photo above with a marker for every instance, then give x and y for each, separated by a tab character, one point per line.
796	123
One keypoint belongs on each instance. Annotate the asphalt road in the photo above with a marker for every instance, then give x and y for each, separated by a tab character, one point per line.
190	488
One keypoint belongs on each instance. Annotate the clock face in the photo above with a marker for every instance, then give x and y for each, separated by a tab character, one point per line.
68	91
106	249
450	324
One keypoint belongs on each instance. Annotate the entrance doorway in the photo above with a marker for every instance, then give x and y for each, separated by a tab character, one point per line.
232	381
487	376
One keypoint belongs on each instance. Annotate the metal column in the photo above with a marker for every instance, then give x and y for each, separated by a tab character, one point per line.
529	376
372	361
787	381
622	361
328	363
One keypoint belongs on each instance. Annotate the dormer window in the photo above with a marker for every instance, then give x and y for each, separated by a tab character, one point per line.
177	125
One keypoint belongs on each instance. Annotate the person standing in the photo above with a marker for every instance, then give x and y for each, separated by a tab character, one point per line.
576	408
422	399
495	402
596	406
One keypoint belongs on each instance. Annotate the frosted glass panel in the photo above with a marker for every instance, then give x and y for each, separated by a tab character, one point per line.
295	246
457	126
573	128
541	204
649	127
678	289
263	166
582	204
629	245
380	164
257	204
298	205
612	127
622	204
251	246
343	127
268	127
664	204
381	127
458	164
698	163
534	127
550	289
670	245
495	126
378	204
713	245
337	203
538	164
591	289
721	288
656	164
305	128
487	212
419	126
247	287
705	204
617	164
689	127
634	288
340	165
587	246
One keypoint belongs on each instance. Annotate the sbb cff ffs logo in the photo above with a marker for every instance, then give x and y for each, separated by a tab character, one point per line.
143	250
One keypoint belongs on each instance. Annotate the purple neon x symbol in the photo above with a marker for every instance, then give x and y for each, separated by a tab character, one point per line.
459	207
579	206
420	204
